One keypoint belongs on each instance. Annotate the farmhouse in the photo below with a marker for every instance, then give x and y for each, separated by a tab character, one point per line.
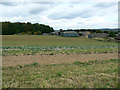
69	34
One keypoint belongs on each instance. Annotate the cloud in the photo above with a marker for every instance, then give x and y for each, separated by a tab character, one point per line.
70	15
84	14
72	11
9	3
38	9
105	5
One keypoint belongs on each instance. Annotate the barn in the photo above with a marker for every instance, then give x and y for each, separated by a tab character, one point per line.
69	34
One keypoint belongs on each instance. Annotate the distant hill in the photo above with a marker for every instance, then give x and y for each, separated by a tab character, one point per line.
108	29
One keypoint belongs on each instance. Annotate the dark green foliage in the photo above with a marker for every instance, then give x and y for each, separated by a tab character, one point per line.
26	65
9	28
112	34
98	31
59	74
78	62
105	31
34	64
51	54
10	67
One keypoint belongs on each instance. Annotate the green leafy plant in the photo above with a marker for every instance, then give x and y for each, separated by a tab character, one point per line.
59	74
34	64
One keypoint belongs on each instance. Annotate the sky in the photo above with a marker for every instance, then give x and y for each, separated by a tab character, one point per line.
59	14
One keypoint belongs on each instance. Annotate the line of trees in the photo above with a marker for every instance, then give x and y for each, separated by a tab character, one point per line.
9	28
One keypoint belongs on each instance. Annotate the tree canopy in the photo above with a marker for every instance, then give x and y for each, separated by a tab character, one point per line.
9	28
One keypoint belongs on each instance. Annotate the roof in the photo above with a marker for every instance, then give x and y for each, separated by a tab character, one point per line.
69	32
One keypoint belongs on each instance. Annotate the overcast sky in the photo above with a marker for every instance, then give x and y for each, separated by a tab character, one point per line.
63	15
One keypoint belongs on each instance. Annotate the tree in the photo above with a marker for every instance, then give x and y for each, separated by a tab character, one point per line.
17	31
61	30
98	31
9	28
112	34
105	31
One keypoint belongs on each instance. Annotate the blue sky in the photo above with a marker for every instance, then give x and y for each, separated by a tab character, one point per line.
62	14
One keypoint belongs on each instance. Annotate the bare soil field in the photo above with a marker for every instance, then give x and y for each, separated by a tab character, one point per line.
55	59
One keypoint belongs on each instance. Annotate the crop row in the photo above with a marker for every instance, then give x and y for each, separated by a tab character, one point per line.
56	47
51	50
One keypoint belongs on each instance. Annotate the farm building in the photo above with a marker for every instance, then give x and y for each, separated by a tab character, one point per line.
84	34
69	34
55	32
97	35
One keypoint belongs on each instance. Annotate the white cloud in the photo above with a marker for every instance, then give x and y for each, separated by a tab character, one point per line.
83	14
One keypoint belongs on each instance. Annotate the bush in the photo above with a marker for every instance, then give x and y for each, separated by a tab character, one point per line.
22	33
35	33
29	33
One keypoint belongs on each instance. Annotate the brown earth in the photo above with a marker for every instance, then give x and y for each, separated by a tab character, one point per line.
55	59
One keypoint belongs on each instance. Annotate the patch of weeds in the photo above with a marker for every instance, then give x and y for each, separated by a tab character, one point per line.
114	60
34	52
26	65
94	62
10	67
59	74
116	69
34	64
78	62
54	64
81	63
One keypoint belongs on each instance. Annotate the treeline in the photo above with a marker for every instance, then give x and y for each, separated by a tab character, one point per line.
9	28
93	30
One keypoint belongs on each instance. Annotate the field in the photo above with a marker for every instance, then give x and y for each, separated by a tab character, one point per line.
32	61
25	40
92	74
49	45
